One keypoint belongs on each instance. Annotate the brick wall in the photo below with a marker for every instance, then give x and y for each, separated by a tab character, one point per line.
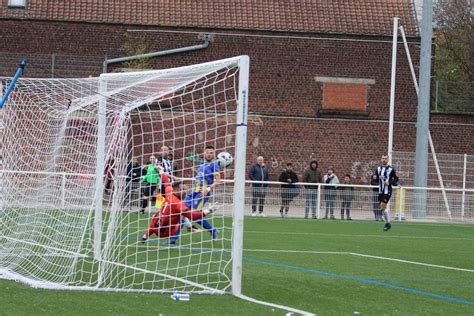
284	96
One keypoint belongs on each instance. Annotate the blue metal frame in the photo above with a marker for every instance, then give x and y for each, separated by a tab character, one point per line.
22	66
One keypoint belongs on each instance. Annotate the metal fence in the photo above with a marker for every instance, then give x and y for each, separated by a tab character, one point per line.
360	202
457	170
75	192
453	97
51	65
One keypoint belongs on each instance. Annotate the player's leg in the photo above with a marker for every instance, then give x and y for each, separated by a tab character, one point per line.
152	229
383	208
174	232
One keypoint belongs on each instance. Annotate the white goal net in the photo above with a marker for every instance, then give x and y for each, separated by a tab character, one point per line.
75	155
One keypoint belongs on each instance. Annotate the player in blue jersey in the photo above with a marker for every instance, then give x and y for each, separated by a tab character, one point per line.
207	179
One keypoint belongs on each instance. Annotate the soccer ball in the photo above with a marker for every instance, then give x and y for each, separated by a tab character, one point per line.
225	159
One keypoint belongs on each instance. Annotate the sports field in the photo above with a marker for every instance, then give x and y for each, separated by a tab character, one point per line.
323	267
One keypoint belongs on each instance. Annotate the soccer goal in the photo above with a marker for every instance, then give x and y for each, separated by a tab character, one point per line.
69	209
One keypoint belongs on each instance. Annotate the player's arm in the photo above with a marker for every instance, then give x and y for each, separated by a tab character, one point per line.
393	178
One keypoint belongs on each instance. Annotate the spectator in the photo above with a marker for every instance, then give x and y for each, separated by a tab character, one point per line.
258	172
109	176
311	175
151	181
134	174
288	189
330	192
347	194
375	198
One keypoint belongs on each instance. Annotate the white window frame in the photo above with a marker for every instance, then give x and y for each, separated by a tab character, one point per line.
17	4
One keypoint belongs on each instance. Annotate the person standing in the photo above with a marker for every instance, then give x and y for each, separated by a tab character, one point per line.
330	192
387	177
258	172
311	175
347	194
134	174
289	178
151	181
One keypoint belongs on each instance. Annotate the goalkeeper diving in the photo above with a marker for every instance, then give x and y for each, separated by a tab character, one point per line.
168	220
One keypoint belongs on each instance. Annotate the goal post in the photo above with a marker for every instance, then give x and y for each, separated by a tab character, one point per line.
70	210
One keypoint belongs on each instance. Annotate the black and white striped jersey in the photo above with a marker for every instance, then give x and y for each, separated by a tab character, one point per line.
386	173
167	165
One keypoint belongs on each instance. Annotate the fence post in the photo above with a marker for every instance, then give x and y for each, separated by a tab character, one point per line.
463	200
318	200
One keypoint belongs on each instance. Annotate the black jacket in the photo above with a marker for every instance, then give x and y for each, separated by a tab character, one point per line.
134	172
258	173
285	175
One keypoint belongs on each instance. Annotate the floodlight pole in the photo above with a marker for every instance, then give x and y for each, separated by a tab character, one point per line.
423	117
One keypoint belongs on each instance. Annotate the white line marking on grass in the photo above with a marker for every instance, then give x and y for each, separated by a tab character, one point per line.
411	262
300	251
360	255
290	309
354	235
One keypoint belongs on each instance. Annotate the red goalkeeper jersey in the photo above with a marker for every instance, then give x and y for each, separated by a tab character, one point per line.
168	219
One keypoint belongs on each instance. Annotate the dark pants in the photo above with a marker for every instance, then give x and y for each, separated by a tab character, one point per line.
346	208
376	206
258	198
148	193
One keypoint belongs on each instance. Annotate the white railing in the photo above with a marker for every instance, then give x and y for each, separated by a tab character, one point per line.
75	191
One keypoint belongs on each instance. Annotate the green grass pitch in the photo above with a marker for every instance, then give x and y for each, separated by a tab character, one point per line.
324	267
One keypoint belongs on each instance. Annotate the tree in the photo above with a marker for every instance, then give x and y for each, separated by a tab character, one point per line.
136	46
454	39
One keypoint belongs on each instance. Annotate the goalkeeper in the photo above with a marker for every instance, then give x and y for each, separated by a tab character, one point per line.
167	222
207	179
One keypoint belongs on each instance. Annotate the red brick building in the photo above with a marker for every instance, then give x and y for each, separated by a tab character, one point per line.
320	70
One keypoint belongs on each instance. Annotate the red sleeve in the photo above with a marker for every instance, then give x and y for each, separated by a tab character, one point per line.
165	180
169	193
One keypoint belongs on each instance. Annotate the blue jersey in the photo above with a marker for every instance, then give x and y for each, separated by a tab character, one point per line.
206	173
205	177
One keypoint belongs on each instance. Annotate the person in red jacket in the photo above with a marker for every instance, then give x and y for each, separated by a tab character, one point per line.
167	222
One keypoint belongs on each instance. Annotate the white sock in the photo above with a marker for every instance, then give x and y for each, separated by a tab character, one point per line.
386	216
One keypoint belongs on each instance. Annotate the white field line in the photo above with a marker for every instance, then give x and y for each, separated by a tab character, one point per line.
361	255
187	282
20	241
412	262
287	308
355	235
